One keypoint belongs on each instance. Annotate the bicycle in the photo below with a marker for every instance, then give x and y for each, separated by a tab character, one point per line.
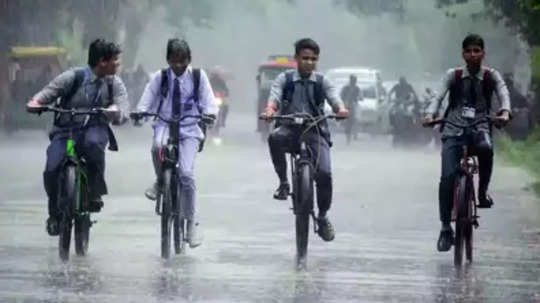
72	200
464	209
168	204
302	176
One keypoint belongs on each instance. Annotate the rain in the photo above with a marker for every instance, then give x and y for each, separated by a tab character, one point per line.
385	167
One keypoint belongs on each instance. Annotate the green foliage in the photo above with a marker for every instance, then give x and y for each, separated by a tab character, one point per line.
373	7
535	63
525	154
522	15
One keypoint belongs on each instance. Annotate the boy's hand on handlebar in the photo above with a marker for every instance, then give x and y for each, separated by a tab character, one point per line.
112	112
427	120
269	111
209	119
136	117
34	106
342	112
502	119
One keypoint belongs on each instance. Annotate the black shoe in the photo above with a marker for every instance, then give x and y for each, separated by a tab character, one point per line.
282	192
95	205
446	240
484	201
152	192
52	226
326	230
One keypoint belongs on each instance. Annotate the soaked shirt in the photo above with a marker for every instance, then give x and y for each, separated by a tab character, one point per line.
303	92
92	93
479	102
206	105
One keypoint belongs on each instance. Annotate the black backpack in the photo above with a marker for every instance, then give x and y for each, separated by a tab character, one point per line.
456	89
164	87
318	92
316	103
80	75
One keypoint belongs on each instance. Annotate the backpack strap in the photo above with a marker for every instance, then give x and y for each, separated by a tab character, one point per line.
163	88
319	95
196	86
455	93
488	86
288	89
456	89
80	74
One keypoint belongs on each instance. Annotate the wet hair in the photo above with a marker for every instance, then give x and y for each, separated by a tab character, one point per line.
306	43
102	50
178	47
473	40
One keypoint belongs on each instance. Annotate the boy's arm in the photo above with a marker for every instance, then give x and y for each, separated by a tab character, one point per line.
501	90
151	93
58	87
206	96
444	86
332	95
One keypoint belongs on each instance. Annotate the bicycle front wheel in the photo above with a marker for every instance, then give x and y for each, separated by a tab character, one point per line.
303	208
67	197
179	241
166	213
463	222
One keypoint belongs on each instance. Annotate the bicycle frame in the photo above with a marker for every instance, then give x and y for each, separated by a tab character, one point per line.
468	167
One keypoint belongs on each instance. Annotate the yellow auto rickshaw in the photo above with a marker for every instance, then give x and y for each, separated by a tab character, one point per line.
29	69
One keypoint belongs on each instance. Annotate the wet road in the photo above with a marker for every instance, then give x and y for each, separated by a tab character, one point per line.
385	214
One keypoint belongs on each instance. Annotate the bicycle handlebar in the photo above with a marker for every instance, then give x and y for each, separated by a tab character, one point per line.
490	120
73	111
136	116
302	118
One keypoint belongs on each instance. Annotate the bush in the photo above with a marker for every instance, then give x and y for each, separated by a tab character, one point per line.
525	154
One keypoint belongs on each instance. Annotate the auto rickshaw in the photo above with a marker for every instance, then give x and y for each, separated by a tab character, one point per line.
30	69
267	73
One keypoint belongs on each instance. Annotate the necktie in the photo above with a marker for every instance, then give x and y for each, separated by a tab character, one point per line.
95	99
473	91
306	98
176	99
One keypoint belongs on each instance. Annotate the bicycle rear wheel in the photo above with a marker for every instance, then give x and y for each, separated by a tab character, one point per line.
67	195
179	241
463	223
303	208
82	234
82	219
166	213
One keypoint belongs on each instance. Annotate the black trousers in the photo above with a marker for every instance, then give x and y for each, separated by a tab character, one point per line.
89	143
285	139
452	150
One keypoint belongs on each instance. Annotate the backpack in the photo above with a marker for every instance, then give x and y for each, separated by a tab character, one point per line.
316	103
318	92
164	87
456	88
164	91
80	75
